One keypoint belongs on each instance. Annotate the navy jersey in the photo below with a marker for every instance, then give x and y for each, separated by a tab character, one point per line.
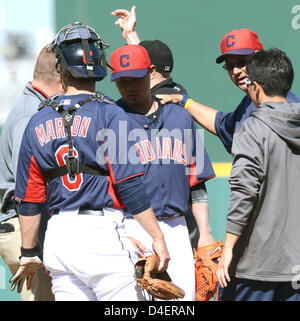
97	136
227	123
172	151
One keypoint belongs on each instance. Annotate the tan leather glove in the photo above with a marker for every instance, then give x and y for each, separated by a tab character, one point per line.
157	284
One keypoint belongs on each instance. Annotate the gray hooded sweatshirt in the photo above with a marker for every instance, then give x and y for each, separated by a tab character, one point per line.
265	194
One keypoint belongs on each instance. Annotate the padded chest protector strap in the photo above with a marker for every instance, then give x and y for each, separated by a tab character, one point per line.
73	165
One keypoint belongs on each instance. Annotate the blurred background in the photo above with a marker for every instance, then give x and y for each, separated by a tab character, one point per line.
193	30
25	27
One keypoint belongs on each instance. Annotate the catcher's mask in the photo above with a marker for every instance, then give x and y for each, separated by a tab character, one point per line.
80	52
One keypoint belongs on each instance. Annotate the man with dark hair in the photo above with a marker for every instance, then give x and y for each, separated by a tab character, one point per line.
45	83
261	256
275	77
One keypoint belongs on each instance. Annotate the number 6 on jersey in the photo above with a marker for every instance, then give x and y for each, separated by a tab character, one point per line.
68	182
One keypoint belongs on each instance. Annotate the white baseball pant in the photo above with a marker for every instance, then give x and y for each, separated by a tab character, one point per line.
88	260
181	265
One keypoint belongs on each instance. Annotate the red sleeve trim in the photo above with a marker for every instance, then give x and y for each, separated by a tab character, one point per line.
36	184
111	173
125	179
194	181
193	178
110	170
117	201
114	194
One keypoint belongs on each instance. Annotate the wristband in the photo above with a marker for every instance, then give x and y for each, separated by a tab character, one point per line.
184	100
36	251
187	104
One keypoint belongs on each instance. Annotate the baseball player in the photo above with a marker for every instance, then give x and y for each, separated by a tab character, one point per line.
161	82
68	155
173	155
237	46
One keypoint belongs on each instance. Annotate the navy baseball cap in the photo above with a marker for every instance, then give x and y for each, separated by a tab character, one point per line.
239	42
129	61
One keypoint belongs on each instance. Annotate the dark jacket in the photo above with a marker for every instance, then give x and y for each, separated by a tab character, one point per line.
168	86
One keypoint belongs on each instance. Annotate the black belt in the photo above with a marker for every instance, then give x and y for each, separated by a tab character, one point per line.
81	211
164	216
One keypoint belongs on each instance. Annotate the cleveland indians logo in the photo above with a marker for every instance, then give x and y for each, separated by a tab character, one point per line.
124	61
162	149
229	41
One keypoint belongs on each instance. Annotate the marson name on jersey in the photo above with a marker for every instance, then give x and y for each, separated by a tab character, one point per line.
54	128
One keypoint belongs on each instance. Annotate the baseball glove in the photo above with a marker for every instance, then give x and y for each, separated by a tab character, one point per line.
158	284
206	263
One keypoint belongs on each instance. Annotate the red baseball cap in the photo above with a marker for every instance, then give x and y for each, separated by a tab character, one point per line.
239	42
129	61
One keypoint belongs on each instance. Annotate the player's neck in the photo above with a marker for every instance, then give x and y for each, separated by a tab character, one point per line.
152	109
80	87
157	79
269	99
148	107
78	92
